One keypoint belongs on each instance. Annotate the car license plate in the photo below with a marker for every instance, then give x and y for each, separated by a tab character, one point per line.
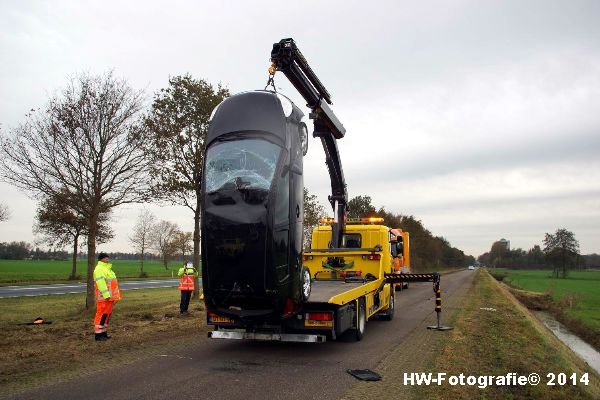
221	320
318	324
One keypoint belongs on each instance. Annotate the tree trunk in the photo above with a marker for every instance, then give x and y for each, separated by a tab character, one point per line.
196	261
564	264
142	262
74	267
91	247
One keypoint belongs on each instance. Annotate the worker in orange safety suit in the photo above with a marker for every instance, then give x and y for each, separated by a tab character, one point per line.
186	285
107	292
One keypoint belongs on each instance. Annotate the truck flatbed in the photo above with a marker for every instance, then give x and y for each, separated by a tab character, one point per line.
324	291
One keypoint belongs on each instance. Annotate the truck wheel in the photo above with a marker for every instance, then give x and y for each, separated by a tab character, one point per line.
389	313
361	319
306	284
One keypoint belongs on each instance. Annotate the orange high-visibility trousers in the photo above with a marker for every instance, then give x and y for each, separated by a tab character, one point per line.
103	311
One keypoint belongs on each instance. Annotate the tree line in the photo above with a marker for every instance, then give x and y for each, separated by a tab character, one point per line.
23	250
57	228
560	252
20	250
428	252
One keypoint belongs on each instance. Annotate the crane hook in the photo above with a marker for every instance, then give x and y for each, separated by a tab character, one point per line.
271	80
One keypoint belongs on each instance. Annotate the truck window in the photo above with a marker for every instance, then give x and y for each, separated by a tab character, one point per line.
351	241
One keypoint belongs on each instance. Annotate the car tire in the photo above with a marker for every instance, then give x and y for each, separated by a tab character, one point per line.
305	283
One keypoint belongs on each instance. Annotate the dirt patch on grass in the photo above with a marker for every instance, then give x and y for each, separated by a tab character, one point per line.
533	300
32	356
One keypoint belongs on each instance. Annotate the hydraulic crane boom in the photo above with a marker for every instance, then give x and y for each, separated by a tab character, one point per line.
287	58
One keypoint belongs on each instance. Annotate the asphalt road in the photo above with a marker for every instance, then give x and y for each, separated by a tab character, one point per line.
229	369
41	290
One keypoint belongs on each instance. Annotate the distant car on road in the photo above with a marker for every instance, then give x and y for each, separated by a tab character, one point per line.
471	267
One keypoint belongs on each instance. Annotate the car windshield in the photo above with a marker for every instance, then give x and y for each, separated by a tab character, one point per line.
241	164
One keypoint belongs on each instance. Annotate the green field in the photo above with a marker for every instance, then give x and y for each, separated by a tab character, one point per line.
582	286
42	271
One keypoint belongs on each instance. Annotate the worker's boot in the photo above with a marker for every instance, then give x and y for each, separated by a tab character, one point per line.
106	335
101	336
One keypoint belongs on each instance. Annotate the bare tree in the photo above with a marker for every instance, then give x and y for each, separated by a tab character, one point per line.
84	149
4	212
163	235
59	225
178	123
183	242
142	235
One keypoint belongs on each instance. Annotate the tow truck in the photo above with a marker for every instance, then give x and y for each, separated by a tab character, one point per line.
258	282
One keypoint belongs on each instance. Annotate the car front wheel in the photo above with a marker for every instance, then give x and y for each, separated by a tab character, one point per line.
306	284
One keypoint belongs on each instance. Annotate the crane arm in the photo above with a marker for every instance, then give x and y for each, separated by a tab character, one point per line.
287	58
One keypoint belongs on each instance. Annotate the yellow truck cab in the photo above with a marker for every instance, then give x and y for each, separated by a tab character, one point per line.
367	233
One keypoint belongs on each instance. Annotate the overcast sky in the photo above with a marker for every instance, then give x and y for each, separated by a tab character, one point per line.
481	119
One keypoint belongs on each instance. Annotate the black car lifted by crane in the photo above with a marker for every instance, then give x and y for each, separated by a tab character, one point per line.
287	58
255	277
253	192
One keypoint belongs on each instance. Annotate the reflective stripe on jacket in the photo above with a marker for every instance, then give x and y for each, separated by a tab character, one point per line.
107	286
187	278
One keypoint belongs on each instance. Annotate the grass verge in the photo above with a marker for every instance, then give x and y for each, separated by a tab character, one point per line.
31	356
493	335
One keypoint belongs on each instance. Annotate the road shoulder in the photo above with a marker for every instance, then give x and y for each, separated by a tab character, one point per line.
493	335
413	354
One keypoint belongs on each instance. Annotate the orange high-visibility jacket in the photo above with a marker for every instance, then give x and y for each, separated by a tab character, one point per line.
187	278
